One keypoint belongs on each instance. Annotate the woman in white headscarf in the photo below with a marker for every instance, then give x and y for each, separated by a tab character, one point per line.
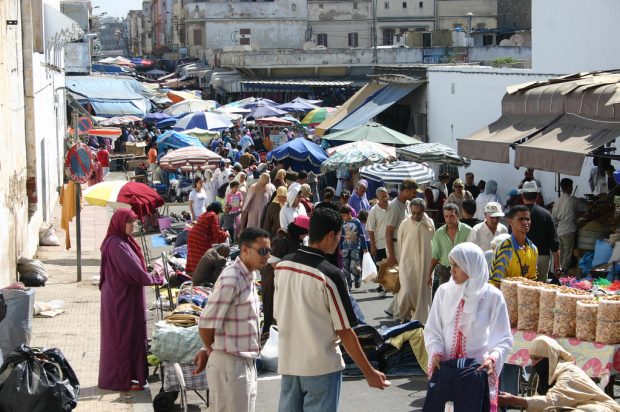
469	318
243	185
489	195
208	186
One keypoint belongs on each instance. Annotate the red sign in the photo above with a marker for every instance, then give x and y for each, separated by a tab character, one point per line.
78	163
84	124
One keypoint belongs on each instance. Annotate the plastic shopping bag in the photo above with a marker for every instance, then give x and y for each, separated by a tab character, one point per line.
269	353
369	269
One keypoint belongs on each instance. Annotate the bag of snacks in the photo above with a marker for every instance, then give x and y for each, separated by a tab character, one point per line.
509	290
528	301
585	328
565	311
608	321
545	309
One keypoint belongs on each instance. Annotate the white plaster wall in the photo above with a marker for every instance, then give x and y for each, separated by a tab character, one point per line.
569	36
13	199
413	9
464	99
337	19
265	34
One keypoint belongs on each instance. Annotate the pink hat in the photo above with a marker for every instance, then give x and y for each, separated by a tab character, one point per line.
302	221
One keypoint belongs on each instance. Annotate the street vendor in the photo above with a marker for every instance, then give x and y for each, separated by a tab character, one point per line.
561	383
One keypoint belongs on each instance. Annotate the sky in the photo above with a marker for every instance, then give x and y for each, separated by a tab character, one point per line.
116	8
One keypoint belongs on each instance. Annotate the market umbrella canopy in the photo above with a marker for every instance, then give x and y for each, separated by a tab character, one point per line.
297	105
190	157
141	62
156	117
179	96
171	121
175	140
396	172
109	132
317	116
357	154
252	102
190	106
120	120
142	199
299	154
233	110
273	121
203	120
432	152
264	110
373	132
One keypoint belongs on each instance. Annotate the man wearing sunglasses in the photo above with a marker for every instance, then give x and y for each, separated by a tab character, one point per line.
229	327
314	315
516	256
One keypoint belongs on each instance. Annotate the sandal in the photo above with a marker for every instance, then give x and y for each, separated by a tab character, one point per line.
136	387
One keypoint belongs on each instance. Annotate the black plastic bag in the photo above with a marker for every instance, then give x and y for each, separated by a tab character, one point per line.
32	280
37	381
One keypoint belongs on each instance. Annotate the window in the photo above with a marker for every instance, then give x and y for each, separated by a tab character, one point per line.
244	37
421	4
197	37
293	7
427	40
353	40
388	37
404	4
320	6
355	5
321	39
386	5
487	40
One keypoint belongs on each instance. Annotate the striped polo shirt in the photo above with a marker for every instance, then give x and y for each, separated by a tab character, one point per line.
311	303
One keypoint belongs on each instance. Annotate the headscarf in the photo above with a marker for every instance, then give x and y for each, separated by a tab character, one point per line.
546	347
281	191
281	174
470	258
306	191
116	229
490	188
293	191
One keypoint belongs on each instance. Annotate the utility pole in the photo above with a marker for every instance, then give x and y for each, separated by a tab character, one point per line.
375	59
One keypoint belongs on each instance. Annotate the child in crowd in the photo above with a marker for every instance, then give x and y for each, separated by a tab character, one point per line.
227	221
353	246
363	217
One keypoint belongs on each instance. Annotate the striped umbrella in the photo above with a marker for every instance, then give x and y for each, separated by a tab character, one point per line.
317	116
190	157
142	199
432	152
396	172
357	154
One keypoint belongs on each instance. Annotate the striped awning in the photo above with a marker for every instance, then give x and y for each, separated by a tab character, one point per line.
396	172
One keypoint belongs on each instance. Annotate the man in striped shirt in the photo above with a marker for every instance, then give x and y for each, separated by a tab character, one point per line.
314	315
229	327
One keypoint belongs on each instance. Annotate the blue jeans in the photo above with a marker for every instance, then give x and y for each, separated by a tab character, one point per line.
351	265
310	393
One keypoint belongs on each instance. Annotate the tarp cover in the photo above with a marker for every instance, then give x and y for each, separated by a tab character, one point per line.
563	145
111	94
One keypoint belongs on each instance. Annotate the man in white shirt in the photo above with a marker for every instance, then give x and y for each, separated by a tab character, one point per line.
221	174
483	233
375	225
565	212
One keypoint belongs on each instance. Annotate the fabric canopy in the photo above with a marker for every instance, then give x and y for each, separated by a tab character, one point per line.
373	132
563	145
59	26
492	142
356	154
396	172
348	107
111	108
204	120
175	140
376	104
432	152
299	154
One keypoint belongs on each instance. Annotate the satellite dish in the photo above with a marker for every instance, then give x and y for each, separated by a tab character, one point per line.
517	39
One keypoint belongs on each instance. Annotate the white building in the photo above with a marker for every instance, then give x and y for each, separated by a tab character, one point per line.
463	99
340	24
32	164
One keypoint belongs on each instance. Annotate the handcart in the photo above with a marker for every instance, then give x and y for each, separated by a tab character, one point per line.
176	380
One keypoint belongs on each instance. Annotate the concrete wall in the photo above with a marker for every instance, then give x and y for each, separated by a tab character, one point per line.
514	14
464	99
13	198
453	12
571	36
489	53
413	10
337	19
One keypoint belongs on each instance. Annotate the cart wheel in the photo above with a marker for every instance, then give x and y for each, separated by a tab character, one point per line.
164	401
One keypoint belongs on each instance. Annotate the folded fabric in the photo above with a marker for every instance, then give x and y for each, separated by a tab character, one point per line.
416	341
398	329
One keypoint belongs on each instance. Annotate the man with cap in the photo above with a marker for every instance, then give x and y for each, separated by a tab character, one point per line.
221	174
358	199
562	385
483	233
542	232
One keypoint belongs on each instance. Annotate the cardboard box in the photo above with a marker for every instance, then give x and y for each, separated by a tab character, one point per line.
136	149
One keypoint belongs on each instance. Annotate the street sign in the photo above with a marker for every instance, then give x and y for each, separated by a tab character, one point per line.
84	125
78	163
96	47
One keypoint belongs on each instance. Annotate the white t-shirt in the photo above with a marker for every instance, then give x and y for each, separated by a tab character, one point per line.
481	235
377	219
199	202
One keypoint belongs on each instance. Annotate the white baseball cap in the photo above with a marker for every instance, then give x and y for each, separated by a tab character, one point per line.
493	209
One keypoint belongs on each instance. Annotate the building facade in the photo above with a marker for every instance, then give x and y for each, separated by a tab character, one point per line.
340	24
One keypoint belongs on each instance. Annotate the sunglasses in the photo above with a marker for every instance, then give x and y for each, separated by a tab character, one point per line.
262	251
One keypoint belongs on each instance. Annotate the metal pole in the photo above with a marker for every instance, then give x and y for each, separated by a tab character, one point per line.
375	59
78	195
